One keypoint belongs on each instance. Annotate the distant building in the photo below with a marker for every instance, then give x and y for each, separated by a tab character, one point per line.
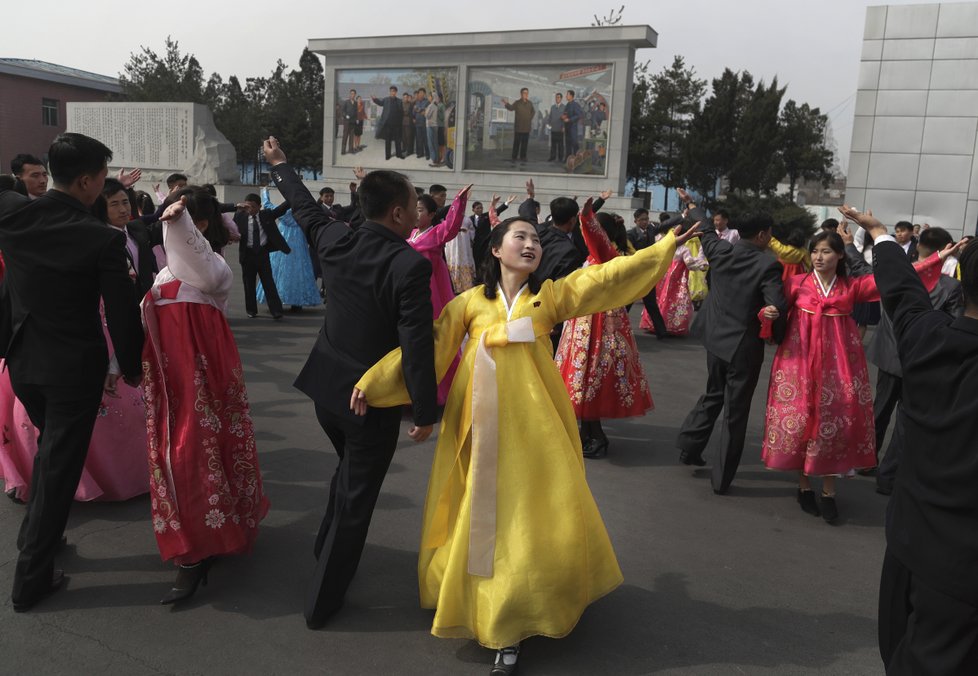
33	95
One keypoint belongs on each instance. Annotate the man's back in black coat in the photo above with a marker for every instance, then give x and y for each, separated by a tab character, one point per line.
60	262
379	299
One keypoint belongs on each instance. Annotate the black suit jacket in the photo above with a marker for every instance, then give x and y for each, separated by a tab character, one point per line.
933	513
379	299
60	261
744	279
266	219
146	237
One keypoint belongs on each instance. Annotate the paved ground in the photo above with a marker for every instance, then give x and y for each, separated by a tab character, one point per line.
741	584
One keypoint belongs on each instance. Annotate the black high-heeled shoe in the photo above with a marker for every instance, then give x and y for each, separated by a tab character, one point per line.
598	449
188	579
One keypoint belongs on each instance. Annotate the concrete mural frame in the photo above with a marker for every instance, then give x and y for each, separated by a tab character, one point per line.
614	45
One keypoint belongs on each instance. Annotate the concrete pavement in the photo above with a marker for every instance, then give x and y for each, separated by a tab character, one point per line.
740	584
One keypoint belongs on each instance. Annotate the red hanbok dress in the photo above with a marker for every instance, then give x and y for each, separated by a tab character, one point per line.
205	485
672	293
597	356
820	400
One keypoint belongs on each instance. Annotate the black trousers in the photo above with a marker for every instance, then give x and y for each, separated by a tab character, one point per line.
652	307
889	463
888	389
520	141
421	142
729	388
557	146
397	147
65	416
365	454
348	134
923	630
255	264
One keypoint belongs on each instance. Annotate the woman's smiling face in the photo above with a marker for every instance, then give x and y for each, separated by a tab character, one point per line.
520	250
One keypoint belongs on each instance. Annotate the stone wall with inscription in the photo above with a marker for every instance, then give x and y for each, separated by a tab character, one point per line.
159	138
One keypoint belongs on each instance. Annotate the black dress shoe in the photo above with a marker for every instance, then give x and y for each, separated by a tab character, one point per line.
252	315
884	489
278	318
57	582
830	511
688	458
807	501
598	448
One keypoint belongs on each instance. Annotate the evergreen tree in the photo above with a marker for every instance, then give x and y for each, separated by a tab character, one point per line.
804	153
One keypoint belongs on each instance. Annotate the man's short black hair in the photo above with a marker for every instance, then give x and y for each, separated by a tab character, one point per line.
253	198
570	92
563	210
722	213
664	216
327	191
393	88
754	224
969	274
476	204
72	155
436	188
903	225
830	224
382	190
525	89
641	211
172	179
935	239
111	187
17	164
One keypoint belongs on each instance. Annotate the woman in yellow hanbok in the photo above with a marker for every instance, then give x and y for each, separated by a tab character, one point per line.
512	543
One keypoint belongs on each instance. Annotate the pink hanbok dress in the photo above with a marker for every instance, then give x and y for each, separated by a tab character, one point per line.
431	244
820	399
672	293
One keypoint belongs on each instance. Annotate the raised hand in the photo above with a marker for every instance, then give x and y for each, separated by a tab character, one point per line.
870	223
683	195
130	178
512	198
606	194
175	209
954	249
359	172
530	189
465	190
273	151
683	237
495	200
847	237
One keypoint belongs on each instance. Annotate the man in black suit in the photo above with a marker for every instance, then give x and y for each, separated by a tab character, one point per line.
139	240
903	235
746	279
882	351
928	609
379	298
642	236
259	237
60	261
389	125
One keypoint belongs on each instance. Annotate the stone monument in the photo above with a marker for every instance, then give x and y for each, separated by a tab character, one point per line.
914	149
159	138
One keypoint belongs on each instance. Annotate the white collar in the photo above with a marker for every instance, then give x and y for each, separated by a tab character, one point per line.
825	291
510	308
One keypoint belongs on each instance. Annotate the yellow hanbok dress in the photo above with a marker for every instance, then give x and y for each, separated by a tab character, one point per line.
512	543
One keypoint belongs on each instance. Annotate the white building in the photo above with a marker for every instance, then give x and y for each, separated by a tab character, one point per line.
914	154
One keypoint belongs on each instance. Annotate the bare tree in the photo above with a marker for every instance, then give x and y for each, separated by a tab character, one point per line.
613	19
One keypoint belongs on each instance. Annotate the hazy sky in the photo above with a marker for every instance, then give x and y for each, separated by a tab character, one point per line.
813	47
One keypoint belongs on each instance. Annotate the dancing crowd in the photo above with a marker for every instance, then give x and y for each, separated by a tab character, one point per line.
122	377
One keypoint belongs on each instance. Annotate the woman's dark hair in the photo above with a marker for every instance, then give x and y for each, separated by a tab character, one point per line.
614	230
836	244
202	206
491	271
429	203
145	203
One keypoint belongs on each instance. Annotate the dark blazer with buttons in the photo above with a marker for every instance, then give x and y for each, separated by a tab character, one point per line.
61	262
146	237
745	279
379	299
266	220
933	512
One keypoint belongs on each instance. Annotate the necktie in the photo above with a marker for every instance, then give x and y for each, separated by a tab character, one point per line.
255	233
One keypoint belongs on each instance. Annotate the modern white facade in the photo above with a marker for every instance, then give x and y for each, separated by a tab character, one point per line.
914	152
